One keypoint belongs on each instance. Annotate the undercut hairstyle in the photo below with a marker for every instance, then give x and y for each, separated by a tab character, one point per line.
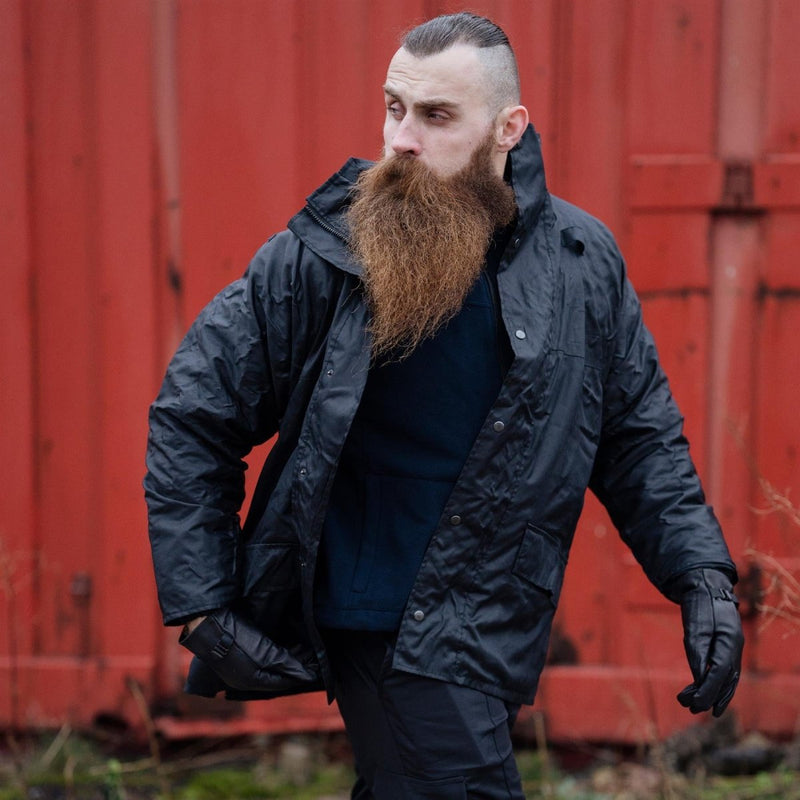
494	51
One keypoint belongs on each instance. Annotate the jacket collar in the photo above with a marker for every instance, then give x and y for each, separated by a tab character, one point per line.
321	224
527	177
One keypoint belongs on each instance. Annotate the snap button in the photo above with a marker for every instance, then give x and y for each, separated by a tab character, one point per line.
499	425
455	519
419	615
520	334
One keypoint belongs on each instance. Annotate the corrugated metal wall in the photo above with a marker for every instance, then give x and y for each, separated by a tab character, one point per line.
148	148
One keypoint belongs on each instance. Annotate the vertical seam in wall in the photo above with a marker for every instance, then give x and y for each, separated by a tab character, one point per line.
33	322
167	175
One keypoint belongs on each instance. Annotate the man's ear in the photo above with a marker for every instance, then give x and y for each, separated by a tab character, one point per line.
510	125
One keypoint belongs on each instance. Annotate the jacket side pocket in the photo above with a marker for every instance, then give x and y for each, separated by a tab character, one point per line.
540	562
271	590
270	568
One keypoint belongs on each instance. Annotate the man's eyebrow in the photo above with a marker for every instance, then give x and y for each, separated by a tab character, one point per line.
430	102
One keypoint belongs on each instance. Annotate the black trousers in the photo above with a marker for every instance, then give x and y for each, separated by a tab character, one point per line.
416	738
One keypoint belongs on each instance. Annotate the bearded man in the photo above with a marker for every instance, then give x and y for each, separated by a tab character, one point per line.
450	357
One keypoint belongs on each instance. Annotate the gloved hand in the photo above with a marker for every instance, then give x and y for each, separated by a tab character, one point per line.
243	657
712	637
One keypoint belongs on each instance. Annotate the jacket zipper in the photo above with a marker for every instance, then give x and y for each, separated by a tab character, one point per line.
325	225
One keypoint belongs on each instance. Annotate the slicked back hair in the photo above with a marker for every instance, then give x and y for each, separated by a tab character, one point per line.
494	50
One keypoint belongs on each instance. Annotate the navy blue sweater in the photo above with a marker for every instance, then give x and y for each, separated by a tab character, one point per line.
410	438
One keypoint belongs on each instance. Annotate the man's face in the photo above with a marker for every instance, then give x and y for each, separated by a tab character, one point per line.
437	109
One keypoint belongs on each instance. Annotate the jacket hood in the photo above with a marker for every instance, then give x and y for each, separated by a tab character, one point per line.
322	227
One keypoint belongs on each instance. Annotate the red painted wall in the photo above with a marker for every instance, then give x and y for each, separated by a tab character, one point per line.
147	150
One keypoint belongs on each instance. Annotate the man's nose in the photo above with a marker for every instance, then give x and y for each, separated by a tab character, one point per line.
405	140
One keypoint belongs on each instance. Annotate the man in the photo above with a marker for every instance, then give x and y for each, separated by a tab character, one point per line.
450	357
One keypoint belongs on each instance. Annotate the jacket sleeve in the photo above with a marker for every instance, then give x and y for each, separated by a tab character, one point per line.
219	398
643	472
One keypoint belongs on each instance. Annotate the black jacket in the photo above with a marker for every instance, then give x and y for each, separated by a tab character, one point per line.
584	404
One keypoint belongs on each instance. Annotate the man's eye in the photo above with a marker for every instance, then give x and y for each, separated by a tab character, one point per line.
437	116
395	110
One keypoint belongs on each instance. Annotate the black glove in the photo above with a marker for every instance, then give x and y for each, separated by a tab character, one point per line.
712	637
244	658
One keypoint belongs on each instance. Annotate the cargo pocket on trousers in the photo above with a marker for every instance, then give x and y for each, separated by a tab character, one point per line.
391	786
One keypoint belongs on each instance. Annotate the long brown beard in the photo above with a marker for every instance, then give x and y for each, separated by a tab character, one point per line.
422	241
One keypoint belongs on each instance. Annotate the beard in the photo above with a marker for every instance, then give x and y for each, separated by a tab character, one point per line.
422	242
